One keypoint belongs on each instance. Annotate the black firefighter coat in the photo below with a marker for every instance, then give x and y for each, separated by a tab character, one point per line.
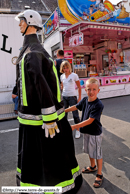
43	161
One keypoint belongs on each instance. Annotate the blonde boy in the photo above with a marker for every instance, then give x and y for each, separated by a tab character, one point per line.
90	125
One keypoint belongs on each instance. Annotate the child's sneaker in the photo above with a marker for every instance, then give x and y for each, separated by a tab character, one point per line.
77	134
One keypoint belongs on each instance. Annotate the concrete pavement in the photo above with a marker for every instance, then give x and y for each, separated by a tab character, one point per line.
116	150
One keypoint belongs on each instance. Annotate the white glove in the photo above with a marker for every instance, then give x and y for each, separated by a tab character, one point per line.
50	129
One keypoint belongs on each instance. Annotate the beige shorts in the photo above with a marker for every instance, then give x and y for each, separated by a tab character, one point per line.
92	145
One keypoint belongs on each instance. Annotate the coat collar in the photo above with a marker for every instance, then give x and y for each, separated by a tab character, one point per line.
30	39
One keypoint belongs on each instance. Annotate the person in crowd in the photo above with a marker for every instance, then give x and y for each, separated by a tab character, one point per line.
46	155
91	127
58	61
15	98
68	82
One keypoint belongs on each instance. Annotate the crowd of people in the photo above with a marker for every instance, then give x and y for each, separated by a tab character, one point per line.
46	93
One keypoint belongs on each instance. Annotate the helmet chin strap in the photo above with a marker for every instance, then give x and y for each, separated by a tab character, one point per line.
25	30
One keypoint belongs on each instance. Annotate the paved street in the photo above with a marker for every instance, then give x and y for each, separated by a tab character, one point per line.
116	150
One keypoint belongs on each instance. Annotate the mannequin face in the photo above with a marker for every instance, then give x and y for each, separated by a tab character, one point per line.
22	25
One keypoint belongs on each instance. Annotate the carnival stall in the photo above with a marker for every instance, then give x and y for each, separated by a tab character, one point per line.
95	36
100	42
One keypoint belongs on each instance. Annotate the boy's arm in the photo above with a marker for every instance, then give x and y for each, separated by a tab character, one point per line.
72	108
82	124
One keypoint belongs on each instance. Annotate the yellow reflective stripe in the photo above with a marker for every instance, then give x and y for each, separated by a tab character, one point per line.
28	185
19	170
57	81
49	193
61	116
75	170
69	182
23	84
65	183
30	122
62	184
31	185
50	117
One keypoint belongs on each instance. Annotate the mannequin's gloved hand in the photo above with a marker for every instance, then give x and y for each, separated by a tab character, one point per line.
50	129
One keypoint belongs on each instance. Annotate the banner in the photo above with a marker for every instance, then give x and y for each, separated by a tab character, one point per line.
76	40
95	11
51	24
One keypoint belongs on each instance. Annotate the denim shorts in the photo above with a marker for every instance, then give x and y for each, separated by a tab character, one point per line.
92	145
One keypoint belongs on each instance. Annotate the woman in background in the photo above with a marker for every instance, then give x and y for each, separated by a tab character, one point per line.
68	80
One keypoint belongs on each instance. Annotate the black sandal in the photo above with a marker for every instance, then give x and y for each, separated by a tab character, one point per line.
86	170
99	182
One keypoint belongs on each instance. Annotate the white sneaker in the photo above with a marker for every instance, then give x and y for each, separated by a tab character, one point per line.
77	134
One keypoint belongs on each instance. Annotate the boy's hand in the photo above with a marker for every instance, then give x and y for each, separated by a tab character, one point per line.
74	127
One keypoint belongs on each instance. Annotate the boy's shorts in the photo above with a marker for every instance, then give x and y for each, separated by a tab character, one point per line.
92	145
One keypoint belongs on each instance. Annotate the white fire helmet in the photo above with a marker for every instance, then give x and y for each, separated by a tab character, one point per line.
32	17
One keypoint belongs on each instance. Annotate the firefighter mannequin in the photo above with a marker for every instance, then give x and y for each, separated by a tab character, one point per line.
46	155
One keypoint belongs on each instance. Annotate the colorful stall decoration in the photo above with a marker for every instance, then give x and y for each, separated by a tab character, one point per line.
108	80
68	54
127	56
54	21
62	21
93	11
51	24
111	51
76	40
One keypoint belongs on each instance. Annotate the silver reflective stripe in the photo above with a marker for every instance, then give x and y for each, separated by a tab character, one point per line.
18	174
60	111
20	78
67	188
76	174
30	117
47	111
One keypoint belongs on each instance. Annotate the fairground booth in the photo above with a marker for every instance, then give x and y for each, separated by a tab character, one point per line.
95	37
